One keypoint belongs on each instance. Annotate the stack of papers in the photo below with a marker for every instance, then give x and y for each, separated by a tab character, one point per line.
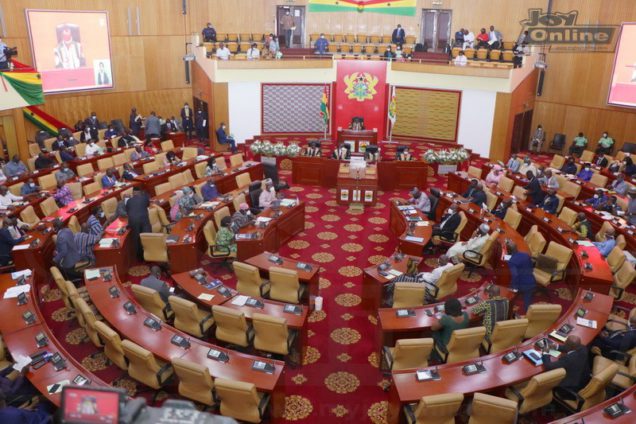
21	361
288	203
263	219
209	204
18	274
90	274
395	272
206	297
585	243
414	239
107	242
13	292
589	323
240	300
422	224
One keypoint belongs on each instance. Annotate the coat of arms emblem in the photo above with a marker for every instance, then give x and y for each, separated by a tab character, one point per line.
360	86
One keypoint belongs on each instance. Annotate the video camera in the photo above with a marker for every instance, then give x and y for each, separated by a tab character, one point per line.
9	52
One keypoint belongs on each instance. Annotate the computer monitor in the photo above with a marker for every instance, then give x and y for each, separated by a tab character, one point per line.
87	405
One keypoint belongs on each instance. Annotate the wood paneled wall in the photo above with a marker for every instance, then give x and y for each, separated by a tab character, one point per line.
576	84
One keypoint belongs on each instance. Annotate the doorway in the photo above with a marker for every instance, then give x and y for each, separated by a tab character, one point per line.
521	131
298	33
436	28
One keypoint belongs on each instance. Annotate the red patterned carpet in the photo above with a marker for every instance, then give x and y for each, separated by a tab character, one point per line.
339	380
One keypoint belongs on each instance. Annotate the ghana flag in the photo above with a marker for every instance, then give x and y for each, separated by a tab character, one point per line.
43	120
397	7
20	89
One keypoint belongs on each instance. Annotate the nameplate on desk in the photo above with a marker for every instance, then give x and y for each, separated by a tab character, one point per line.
152	324
589	323
254	303
206	297
129	307
293	309
263	366
404	313
247	236
28	317
41	340
427	375
617	409
58	362
218	355
275	259
472	369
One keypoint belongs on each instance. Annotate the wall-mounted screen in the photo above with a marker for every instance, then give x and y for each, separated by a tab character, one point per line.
622	90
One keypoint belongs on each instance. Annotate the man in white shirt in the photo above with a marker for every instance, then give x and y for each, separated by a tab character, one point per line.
267	196
92	149
461	60
433	277
420	200
253	52
475	243
495	38
7	198
469	39
222	53
527	166
552	181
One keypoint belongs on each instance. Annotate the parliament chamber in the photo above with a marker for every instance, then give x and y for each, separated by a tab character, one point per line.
415	211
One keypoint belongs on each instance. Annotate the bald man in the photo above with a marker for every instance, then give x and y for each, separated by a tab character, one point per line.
606	246
621	341
574	359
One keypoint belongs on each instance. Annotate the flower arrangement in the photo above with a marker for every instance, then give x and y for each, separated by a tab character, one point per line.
266	148
279	149
446	156
293	150
256	147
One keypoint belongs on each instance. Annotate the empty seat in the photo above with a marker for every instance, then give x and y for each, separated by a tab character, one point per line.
488	409
408	295
189	318
29	217
272	335
249	281
151	301
438	409
48	206
189	153
231	326
615	259
47	182
112	345
563	255
220	163
463	345
243	180
92	188
285	286
625	275
568	216
541	316
537	392
506	334
512	218
240	400
167	146
506	184
474	172
407	354
195	381
144	367
626	374
89	320
154	247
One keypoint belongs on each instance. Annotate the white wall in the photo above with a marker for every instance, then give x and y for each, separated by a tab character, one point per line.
476	116
244	100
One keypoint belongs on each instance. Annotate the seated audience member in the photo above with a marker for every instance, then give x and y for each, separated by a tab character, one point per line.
537	139
85	136
420	200
29	187
388	53
405	155
629	168
597	200
615	166
321	45
523	39
502	208
433	277
474	243
85	241
494	175
128	140
66	155
578	145
188	202
482	39
605	144
611	205
66	252
619	185
469	40
606	246
242	217
479	195
601	161
472	186
569	167
172	125
109	180
582	227
268	196
223	138
533	189
92	149
543	179
209	190
514	164
313	150
95	227
7	198
618	341
494	38
209	34
110	133
253	53
446	227
175	210
527	166
585	173
211	168
15	167
154	281
574	360
550	202
341	153
631	207
44	161
65	173
225	240
58	144
459	38
493	310
222	52
39	413
6	243
129	173
171	159
453	318
551	180
63	195
16	227
3	178
139	154
521	273
461	59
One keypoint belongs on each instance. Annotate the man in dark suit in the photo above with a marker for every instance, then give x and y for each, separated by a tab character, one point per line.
574	359
186	120
222	137
153	281
521	272
398	35
550	202
92	124
138	219
134	121
341	153
479	195
471	188
533	189
6	243
201	124
58	144
446	227
621	341
67	254
601	161
172	125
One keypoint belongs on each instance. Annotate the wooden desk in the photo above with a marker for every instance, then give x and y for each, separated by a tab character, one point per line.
357	139
595	414
402	174
406	389
596	219
351	189
310	278
401	228
238	368
83	160
391	328
19	338
290	222
374	284
117	255
149	181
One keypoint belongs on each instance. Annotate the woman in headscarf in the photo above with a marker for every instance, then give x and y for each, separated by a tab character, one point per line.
175	208
494	176
187	202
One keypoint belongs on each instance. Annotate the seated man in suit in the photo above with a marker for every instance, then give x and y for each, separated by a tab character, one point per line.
242	217
621	341
513	164
472	186
479	195
598	199
601	161
405	155
153	281
223	138
313	150
475	243
527	166
109	180
551	180
619	185
267	196
446	228
341	153
569	167
550	202
209	190
574	359
586	173
64	173
500	211
420	200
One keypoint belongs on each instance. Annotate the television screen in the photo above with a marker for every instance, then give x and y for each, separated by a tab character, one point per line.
71	49
88	405
622	90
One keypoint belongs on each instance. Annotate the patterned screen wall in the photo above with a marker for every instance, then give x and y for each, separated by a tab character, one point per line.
292	108
424	113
